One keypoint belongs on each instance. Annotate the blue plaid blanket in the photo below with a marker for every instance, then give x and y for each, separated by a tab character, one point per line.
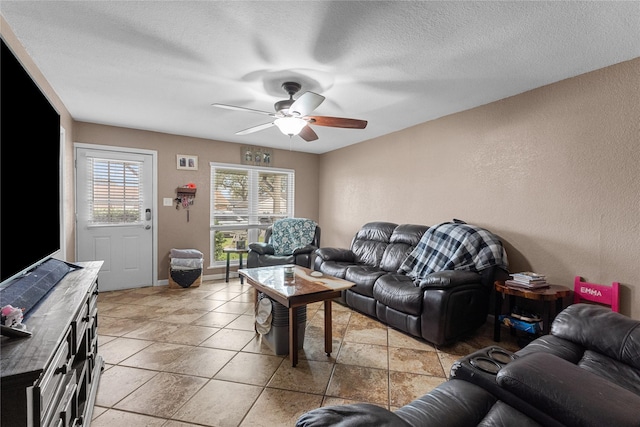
288	234
454	246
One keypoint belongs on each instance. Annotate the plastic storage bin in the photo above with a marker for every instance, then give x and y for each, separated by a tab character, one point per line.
277	338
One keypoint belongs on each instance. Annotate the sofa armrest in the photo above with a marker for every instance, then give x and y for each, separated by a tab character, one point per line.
448	279
574	396
353	415
336	254
304	250
262	248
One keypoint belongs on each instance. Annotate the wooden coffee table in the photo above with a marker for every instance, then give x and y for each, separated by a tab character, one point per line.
300	290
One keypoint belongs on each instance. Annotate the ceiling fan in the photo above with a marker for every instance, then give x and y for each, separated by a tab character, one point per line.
292	116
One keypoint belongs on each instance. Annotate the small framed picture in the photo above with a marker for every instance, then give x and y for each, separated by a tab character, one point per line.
187	162
256	156
246	155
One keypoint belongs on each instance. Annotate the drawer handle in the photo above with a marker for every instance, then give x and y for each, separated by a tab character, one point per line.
95	292
61	370
86	318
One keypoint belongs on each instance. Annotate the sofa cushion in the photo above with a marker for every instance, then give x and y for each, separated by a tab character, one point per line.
364	277
598	328
404	238
370	242
397	291
572	395
368	252
378	231
503	415
336	268
393	256
460	403
611	369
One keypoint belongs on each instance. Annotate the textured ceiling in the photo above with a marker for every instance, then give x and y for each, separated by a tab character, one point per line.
159	65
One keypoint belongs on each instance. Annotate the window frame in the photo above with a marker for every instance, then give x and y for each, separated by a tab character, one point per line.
253	225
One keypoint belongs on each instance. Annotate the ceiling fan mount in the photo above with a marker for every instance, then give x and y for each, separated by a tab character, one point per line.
291	88
292	115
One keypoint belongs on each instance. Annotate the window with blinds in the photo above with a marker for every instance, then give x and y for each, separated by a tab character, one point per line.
245	201
115	191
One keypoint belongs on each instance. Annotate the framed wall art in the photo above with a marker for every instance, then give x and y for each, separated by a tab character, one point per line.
187	162
256	156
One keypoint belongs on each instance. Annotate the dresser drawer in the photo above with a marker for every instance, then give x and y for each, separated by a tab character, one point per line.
86	318
93	296
68	408
54	375
64	409
80	324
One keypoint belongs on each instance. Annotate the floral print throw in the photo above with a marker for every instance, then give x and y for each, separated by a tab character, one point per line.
289	234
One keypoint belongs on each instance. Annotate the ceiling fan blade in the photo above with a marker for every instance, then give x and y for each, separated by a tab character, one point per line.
308	134
249	110
255	129
306	103
338	122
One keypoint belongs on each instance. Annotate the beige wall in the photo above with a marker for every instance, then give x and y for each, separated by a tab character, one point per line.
173	229
554	172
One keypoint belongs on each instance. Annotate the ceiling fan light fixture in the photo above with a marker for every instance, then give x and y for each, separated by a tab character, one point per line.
290	125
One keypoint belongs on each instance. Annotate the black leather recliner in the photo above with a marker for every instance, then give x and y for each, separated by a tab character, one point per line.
585	373
262	254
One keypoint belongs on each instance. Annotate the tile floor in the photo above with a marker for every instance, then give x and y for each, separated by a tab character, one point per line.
191	357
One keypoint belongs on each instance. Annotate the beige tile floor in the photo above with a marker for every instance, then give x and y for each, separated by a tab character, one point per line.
191	357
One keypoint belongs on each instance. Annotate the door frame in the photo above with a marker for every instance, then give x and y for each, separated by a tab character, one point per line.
154	196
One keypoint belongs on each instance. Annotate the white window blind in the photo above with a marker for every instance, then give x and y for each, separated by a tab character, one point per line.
245	201
114	191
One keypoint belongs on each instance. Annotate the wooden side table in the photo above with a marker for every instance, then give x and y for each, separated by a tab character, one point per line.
546	295
240	253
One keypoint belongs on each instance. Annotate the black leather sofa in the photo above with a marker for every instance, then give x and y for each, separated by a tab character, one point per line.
585	373
262	254
440	308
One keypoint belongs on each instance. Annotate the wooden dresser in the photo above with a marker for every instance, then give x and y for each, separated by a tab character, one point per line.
51	378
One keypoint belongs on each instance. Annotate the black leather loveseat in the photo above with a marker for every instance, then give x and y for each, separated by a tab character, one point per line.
585	373
441	306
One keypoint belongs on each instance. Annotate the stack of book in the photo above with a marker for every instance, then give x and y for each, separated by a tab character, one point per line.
528	280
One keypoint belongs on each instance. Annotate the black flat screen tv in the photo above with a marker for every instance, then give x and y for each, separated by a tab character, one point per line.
30	172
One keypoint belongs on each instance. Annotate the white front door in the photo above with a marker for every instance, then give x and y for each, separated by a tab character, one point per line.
115	214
